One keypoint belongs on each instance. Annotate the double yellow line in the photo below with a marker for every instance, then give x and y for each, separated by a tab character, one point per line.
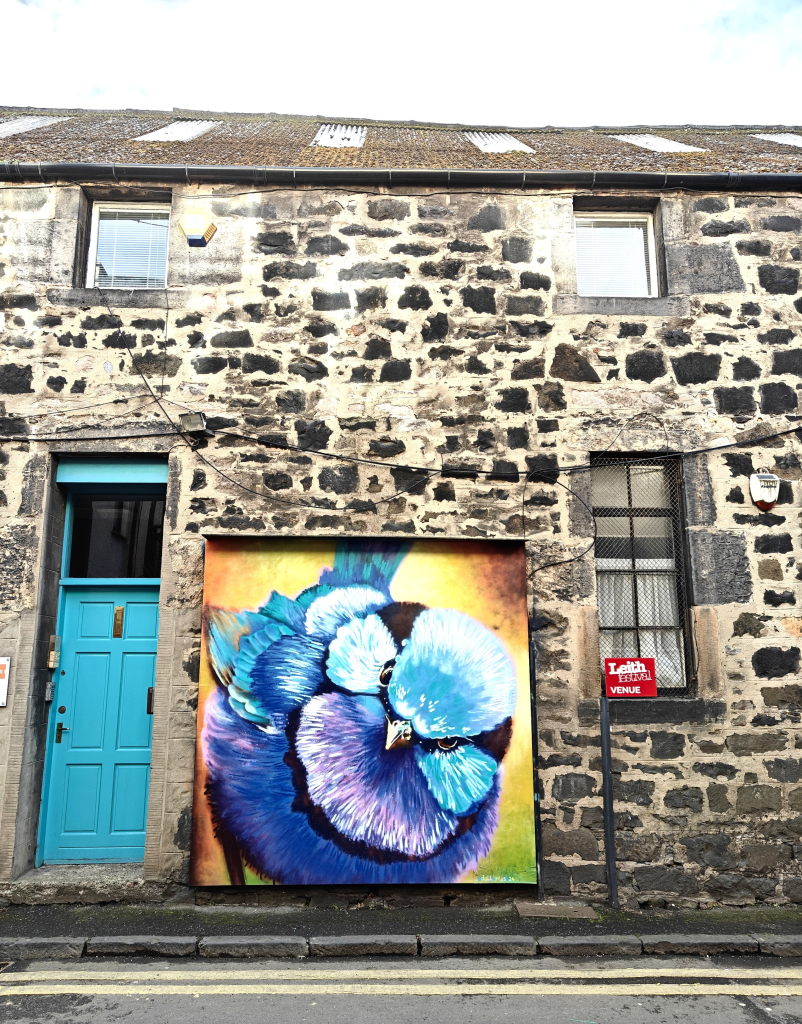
710	980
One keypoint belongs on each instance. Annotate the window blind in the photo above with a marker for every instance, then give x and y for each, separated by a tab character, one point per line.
131	248
612	256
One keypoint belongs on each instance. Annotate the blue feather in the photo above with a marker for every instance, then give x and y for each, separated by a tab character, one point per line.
366	563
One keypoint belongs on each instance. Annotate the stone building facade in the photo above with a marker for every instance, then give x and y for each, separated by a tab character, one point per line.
437	335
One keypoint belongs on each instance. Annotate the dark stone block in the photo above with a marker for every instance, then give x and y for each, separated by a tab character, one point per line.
587	874
102	322
784	770
312	434
560	843
538	329
432	210
735	495
746	369
308	368
700	505
717	798
444	492
289	271
711	338
78	387
480	300
646	365
232	339
675	338
722	228
572	787
777	398
789	362
409	481
504	470
489	218
744	744
788	697
412	249
141	323
517	437
252	362
556	878
386	448
551	397
450	270
362	231
378	348
493	274
254	311
276	243
750	309
662	879
340	479
516	250
475	365
394	326
521	305
396	370
735	401
633	791
319	329
362	374
198	480
209	364
543	468
435	328
712	851
415	297
773	544
720	567
715	769
325	302
56	383
16	379
528	369
778	280
458	246
689	797
548	426
373	272
667	745
434	230
388	209
570	364
781	223
775	599
785	495
535	282
370	298
190	320
710	204
631	330
757	799
776	336
277	481
775	662
697	367
753	247
326	245
666	711
739	464
444	352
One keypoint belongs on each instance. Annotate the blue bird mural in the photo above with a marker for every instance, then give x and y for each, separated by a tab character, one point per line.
352	738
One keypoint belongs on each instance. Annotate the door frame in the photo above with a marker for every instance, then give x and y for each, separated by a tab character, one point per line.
92	476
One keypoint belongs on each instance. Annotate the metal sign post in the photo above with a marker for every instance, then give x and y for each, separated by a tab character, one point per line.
624	678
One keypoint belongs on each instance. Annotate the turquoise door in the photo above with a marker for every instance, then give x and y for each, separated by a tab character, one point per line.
100	724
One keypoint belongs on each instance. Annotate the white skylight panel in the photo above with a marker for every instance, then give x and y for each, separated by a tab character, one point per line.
178	131
341	136
497	142
17	125
658	144
782	139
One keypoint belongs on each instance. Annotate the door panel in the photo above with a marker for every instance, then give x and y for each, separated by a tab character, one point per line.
99	773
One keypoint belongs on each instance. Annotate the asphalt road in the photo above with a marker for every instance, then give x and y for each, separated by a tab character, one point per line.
720	990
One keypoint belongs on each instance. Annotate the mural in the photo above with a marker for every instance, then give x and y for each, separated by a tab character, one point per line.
364	714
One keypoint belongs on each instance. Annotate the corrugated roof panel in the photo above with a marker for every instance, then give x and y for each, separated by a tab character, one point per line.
341	136
782	139
178	131
657	144
497	142
17	125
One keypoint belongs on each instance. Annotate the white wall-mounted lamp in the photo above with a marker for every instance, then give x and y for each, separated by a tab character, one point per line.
764	488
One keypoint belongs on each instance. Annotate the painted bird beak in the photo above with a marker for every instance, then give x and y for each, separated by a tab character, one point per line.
399	734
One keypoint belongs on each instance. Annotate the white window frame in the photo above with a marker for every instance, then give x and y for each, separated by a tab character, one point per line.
91	256
654	291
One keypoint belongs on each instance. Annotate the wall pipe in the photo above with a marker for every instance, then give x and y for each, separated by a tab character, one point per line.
725	181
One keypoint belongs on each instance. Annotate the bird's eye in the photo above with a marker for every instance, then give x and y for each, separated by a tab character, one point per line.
446	744
386	673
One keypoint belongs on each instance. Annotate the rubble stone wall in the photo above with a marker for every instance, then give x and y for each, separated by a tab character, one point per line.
442	331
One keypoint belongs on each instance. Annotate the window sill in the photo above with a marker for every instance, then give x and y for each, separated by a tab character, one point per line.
665	305
120	298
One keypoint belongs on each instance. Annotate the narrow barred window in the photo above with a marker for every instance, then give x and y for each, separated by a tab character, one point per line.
639	566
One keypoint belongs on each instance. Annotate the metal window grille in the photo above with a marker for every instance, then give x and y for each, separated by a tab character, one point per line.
640	574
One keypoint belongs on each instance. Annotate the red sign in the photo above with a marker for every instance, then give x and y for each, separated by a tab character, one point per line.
630	677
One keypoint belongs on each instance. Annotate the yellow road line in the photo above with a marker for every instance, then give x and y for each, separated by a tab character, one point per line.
307	974
515	989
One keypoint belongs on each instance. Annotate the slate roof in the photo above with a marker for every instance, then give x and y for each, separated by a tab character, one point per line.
278	140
